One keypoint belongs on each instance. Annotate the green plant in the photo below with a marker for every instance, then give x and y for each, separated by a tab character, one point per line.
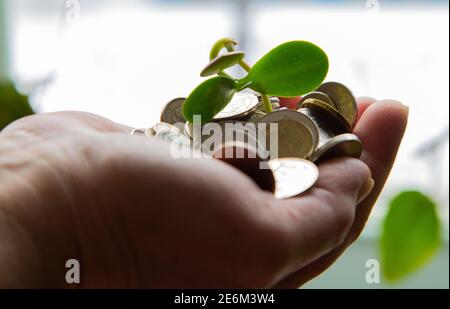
411	235
13	105
291	69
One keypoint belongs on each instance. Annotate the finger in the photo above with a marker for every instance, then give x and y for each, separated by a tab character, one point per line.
319	220
388	121
381	129
363	104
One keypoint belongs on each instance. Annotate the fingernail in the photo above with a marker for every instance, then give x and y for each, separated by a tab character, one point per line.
365	190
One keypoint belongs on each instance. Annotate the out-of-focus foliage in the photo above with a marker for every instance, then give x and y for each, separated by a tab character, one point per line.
13	105
411	235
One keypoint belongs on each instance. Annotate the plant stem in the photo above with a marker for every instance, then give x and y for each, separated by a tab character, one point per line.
267	103
245	66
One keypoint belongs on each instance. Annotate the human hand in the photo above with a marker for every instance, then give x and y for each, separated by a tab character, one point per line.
76	186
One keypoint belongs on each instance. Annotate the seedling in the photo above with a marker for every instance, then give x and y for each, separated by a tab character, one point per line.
289	70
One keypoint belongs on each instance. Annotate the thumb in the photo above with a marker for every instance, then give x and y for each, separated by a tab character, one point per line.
318	221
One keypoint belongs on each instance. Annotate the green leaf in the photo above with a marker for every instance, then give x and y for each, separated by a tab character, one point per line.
209	98
13	105
410	236
291	69
222	62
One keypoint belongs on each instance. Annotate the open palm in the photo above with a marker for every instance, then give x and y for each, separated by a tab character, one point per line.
77	186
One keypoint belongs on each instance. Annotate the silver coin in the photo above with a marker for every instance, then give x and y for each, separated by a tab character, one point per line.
251	91
343	99
293	176
228	131
173	112
344	145
163	126
273	100
136	132
188	130
171	136
297	134
242	105
256	116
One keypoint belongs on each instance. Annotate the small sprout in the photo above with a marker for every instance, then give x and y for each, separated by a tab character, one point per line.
222	62
228	44
289	70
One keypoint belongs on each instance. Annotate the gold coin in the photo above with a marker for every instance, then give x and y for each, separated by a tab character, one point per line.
298	136
150	132
172	113
332	115
344	145
328	125
344	100
293	176
316	95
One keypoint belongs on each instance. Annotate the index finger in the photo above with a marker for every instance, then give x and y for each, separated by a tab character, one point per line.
381	128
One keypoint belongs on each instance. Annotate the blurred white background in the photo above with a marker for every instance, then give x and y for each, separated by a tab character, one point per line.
126	60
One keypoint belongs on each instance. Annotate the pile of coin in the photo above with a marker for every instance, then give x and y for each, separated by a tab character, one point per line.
320	129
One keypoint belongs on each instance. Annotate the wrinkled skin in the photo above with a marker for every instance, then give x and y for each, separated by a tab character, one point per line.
77	186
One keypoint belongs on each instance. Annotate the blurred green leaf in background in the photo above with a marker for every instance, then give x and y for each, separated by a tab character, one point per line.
13	105
411	235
